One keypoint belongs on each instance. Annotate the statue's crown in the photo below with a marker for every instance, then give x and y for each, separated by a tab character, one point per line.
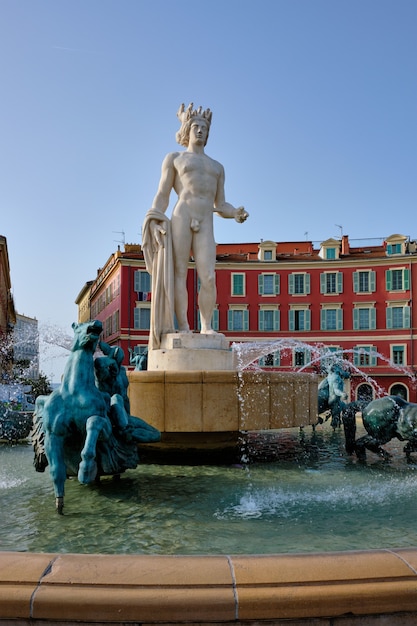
187	114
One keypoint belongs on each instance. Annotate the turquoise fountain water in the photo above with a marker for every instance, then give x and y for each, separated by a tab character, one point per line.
307	497
299	493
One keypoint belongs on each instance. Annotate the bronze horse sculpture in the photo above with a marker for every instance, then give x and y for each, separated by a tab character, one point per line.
82	430
331	394
384	419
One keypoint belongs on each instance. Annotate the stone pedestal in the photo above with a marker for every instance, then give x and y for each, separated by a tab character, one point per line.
187	352
201	412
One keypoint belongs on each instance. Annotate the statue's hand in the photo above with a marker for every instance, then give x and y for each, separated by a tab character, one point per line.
241	215
158	234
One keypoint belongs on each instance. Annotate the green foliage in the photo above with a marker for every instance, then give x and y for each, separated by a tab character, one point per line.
40	386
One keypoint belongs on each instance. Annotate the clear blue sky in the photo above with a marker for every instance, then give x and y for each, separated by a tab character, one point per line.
314	118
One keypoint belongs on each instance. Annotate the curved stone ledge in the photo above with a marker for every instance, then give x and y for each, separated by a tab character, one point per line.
333	588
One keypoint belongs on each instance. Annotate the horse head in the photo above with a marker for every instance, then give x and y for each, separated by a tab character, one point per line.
86	335
339	370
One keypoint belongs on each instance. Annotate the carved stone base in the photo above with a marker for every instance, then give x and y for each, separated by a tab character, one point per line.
192	352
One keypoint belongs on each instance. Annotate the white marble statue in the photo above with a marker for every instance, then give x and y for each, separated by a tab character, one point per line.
198	182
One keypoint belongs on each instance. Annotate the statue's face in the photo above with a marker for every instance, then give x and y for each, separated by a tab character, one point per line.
198	132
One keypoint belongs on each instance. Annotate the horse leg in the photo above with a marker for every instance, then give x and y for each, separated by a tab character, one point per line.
335	423
372	444
54	450
411	446
96	426
349	426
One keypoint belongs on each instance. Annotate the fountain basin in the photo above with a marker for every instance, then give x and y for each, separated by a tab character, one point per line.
367	587
204	413
54	583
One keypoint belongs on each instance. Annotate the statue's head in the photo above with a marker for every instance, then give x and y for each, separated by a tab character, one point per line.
187	117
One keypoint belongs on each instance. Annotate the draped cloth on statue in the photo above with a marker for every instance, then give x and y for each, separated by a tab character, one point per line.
160	265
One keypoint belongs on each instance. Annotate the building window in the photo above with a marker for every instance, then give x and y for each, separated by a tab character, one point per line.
331	319
330	253
397	280
394	248
398	317
364	318
142	318
301	357
364	356
398	355
238	284
142	282
270	360
238	319
268	284
331	282
214	320
116	326
267	251
268	319
299	319
299	284
108	325
364	281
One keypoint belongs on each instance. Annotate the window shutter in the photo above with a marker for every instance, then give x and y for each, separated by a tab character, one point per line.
339	319
291	320
215	320
323	319
307	284
322	283
229	319
406	279
372	280
355	319
276	284
245	319
339	282
307	319
261	319
276	319
372	318
389	316
290	283
356	282
260	284
388	281
406	317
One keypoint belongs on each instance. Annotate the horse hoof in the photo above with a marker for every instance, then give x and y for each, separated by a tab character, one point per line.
87	471
59	504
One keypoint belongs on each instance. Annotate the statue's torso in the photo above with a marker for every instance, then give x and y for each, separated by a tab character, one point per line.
196	181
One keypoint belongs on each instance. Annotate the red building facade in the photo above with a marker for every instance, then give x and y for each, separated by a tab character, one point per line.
295	302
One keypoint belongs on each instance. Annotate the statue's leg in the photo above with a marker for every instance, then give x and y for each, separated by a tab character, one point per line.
142	432
118	412
54	450
181	246
96	426
372	444
204	248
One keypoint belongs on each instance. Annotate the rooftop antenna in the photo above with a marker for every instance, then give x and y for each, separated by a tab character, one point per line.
341	230
306	235
119	232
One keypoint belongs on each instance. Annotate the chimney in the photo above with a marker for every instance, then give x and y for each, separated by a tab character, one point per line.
345	244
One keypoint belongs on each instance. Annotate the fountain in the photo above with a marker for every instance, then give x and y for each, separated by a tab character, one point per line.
287	541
